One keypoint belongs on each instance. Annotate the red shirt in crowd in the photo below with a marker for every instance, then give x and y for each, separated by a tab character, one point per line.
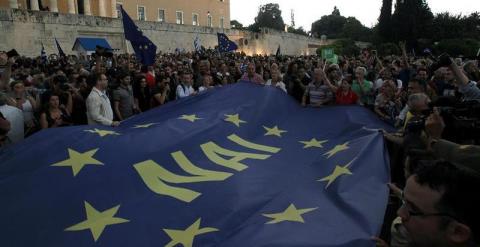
150	78
349	98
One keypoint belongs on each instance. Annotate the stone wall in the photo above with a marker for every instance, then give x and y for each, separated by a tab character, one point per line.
27	30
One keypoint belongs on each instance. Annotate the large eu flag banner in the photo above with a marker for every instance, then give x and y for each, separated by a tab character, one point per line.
241	165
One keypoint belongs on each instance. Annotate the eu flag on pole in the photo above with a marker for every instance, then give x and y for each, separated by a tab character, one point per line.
225	44
59	48
222	168
145	49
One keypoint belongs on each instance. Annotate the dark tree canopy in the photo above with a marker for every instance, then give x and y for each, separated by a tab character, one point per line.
385	21
337	26
236	24
270	16
411	21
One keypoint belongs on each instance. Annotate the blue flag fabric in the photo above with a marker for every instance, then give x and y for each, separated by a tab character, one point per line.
241	165
59	48
225	44
145	49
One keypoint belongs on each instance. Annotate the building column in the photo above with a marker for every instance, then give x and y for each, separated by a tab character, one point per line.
71	7
34	5
13	4
53	6
86	7
102	11
114	9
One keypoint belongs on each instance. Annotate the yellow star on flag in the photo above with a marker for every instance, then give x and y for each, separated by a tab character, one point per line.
185	237
336	149
140	126
102	133
97	221
78	160
313	143
275	131
192	118
339	171
290	214
235	119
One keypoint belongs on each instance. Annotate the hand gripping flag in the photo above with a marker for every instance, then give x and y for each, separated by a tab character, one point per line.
241	165
145	49
225	44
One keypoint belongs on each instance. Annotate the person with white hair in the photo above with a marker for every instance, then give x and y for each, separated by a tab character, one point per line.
363	88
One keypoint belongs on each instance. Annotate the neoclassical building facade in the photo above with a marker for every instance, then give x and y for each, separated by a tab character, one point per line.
208	13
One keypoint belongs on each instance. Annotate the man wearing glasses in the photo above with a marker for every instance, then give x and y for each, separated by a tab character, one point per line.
440	206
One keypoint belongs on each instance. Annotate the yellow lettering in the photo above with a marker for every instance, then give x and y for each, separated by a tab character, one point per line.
212	151
251	145
156	176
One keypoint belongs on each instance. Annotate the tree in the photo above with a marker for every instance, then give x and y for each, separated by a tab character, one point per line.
411	20
353	29
270	16
385	21
330	25
336	26
236	24
299	30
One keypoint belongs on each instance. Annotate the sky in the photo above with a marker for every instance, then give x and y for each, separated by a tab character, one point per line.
308	11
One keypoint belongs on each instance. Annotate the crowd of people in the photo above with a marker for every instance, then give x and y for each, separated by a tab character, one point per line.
439	207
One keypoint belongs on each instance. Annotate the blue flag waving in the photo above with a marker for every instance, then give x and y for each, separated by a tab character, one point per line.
241	165
59	48
225	44
145	49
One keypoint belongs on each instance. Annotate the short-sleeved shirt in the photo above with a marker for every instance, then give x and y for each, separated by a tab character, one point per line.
319	93
125	97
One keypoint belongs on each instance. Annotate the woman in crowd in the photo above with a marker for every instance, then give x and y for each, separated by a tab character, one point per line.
344	94
141	94
387	106
54	116
276	80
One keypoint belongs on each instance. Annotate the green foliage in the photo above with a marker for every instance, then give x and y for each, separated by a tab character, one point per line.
299	30
411	20
446	26
342	47
385	21
336	26
236	25
456	47
385	49
353	29
269	16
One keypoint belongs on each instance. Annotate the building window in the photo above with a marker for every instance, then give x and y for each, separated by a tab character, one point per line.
141	13
195	20
179	15
221	22
161	15
209	20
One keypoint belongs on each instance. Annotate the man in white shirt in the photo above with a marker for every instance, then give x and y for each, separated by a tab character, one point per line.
185	88
15	117
99	109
